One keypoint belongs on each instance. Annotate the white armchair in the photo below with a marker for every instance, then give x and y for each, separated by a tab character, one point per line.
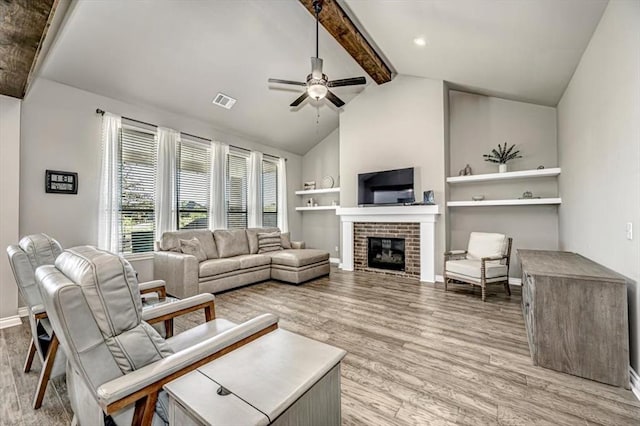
486	261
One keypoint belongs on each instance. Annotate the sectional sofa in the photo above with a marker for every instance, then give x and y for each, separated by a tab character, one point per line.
225	259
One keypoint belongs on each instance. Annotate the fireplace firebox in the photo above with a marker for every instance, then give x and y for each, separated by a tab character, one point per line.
386	253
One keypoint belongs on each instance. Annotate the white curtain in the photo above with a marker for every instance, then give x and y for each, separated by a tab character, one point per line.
218	216
254	190
109	204
166	214
283	216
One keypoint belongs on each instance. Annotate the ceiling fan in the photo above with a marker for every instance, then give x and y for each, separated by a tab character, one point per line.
318	84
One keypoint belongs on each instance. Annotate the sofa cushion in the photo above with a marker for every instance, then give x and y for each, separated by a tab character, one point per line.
231	242
252	260
298	258
194	248
268	242
471	268
252	237
171	241
218	266
285	238
485	244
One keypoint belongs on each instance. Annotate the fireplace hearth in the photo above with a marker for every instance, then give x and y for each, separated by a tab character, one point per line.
386	253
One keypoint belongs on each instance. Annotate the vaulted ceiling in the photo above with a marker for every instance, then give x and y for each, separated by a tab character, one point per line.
525	50
177	56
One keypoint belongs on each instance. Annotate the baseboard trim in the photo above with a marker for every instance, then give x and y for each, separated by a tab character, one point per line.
635	382
512	281
11	321
23	311
334	260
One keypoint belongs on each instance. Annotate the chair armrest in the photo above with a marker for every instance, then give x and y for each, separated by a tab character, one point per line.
298	244
38	311
487	259
126	390
455	253
170	310
179	271
155	286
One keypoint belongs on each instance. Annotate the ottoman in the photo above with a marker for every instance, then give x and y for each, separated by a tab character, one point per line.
296	266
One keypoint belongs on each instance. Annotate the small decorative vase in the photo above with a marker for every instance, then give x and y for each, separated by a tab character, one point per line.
502	168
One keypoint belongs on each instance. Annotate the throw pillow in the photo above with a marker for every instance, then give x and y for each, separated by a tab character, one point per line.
285	240
194	248
269	241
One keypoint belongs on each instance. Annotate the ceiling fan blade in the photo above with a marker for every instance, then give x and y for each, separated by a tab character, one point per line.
334	99
295	83
347	82
316	68
298	101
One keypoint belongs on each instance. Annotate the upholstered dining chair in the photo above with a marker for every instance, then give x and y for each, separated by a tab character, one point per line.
25	257
117	362
485	261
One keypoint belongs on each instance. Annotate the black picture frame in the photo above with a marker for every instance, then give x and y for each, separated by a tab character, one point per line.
59	182
428	198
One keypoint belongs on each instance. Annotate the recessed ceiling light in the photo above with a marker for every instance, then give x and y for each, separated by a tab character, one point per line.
420	41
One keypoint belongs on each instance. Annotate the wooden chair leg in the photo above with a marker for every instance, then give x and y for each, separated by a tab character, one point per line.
145	408
45	374
484	293
30	355
446	281
168	328
507	288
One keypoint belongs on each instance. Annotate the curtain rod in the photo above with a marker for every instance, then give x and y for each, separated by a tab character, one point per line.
101	112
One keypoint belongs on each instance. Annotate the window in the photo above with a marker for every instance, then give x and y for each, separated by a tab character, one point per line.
269	194
236	187
137	168
193	181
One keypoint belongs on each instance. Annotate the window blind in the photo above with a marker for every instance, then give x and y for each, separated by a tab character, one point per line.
137	168
269	194
236	190
193	184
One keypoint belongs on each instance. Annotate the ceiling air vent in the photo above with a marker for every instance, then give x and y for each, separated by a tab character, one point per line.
224	101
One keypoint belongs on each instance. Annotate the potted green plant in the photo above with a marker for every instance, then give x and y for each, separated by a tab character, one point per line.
501	155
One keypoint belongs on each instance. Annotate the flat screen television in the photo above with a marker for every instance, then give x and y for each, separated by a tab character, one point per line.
386	187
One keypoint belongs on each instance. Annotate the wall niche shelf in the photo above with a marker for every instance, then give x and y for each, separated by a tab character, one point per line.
317	191
516	202
521	174
304	209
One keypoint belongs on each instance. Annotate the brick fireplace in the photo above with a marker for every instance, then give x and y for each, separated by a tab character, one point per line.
415	224
409	232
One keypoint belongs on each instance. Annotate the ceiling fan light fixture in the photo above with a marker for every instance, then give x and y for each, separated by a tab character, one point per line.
317	91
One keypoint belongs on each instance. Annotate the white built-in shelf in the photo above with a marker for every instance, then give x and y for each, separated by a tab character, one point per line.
304	209
517	202
522	174
317	191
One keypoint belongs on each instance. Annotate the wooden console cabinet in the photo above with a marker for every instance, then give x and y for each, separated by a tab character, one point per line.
575	314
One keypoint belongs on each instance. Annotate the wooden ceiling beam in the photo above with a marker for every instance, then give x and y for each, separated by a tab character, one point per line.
23	27
334	19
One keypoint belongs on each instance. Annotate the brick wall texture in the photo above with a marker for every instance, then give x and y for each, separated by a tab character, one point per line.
409	231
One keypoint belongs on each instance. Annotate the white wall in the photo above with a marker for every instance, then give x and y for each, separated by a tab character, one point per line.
479	123
9	201
321	229
398	124
599	152
61	131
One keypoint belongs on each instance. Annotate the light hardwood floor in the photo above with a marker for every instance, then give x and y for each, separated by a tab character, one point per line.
416	355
